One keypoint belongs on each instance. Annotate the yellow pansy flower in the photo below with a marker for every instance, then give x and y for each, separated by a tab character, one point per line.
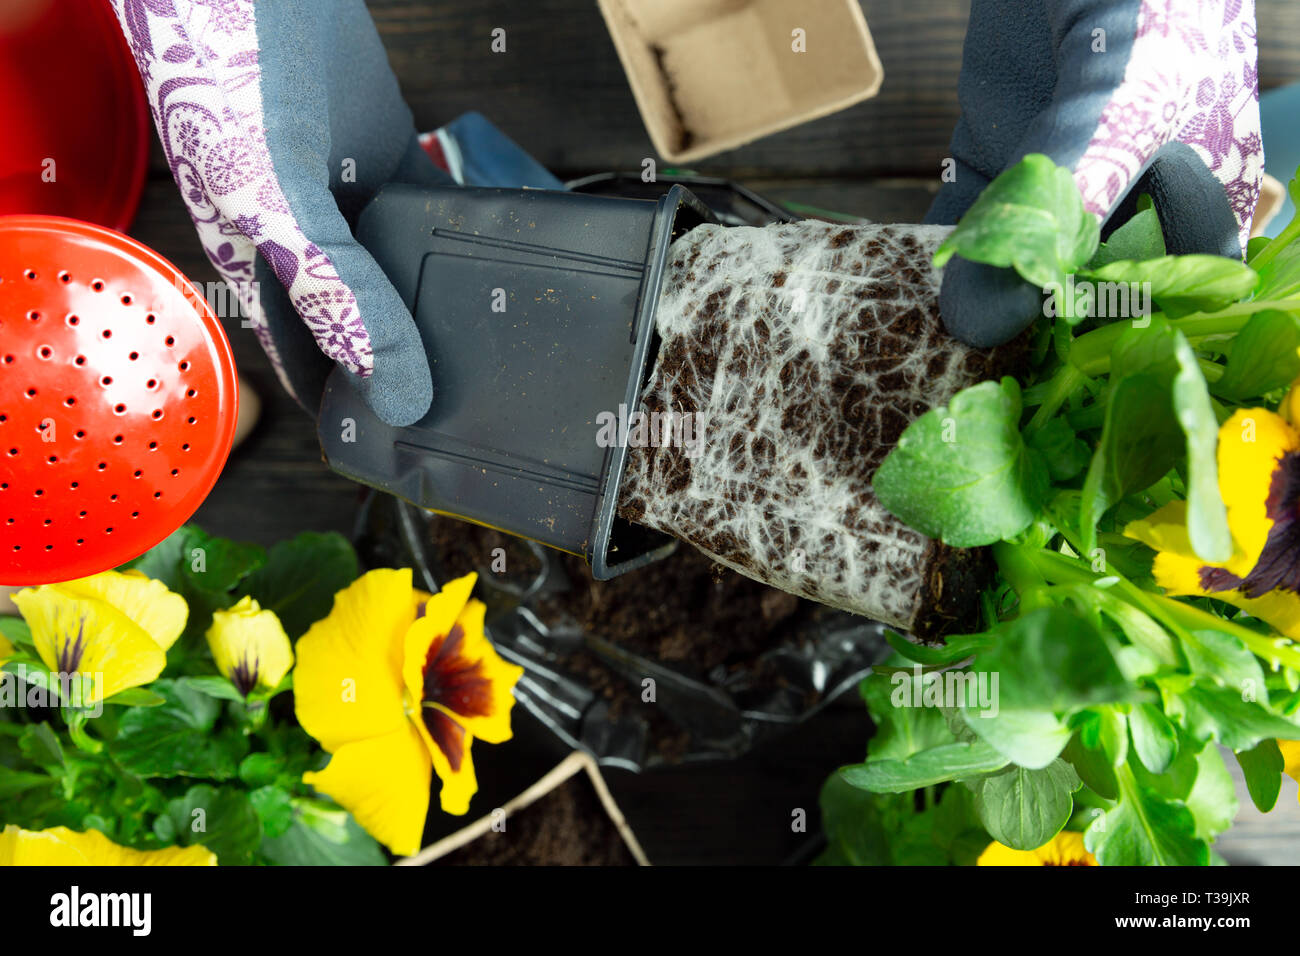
1064	849
396	695
249	646
1291	758
59	846
1259	480
113	628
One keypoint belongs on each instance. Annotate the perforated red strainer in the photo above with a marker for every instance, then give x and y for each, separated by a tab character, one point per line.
118	399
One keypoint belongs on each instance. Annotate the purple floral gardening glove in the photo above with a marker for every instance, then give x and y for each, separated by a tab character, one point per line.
279	122
1135	96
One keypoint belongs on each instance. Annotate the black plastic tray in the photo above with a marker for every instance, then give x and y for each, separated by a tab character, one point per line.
510	441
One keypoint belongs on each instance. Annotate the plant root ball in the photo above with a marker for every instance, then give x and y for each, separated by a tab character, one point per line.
795	355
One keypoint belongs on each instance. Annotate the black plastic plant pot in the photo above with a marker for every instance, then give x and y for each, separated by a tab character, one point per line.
731	203
537	311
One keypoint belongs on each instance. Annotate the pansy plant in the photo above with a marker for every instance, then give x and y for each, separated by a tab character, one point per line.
1146	605
183	656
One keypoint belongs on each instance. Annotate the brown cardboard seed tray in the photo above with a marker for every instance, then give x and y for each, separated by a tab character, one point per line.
711	75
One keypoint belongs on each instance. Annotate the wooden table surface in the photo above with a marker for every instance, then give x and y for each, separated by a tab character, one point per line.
560	92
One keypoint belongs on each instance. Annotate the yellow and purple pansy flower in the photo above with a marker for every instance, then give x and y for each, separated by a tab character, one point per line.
397	690
1290	758
1259	480
249	646
1064	849
113	628
59	846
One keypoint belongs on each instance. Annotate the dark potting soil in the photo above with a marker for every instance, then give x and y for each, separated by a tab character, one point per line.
684	611
459	547
566	827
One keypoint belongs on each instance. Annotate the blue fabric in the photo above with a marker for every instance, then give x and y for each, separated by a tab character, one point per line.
1030	83
1278	110
491	158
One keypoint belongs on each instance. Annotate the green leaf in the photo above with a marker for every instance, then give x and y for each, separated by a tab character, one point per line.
1179	777
1262	767
1065	454
41	745
954	822
216	566
1183	284
301	577
1207	516
1158	414
1031	218
1255	246
1144	829
215	686
1023	809
853	825
207	573
220	818
1155	739
1213	800
136	697
14	782
1051	659
316	839
1112	734
260	769
1140	442
274	806
1138	627
901	729
963	473
1033	739
1263	356
163	561
34	672
15	630
1093	766
1220	713
1280	277
1138	239
955	648
175	738
936	765
1221	658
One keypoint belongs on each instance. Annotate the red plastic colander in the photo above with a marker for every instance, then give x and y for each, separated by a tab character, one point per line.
118	399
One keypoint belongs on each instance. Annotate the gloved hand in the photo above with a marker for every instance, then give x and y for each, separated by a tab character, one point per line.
279	122
1170	108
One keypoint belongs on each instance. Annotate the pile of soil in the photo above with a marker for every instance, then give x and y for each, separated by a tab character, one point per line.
566	827
687	611
684	611
459	547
